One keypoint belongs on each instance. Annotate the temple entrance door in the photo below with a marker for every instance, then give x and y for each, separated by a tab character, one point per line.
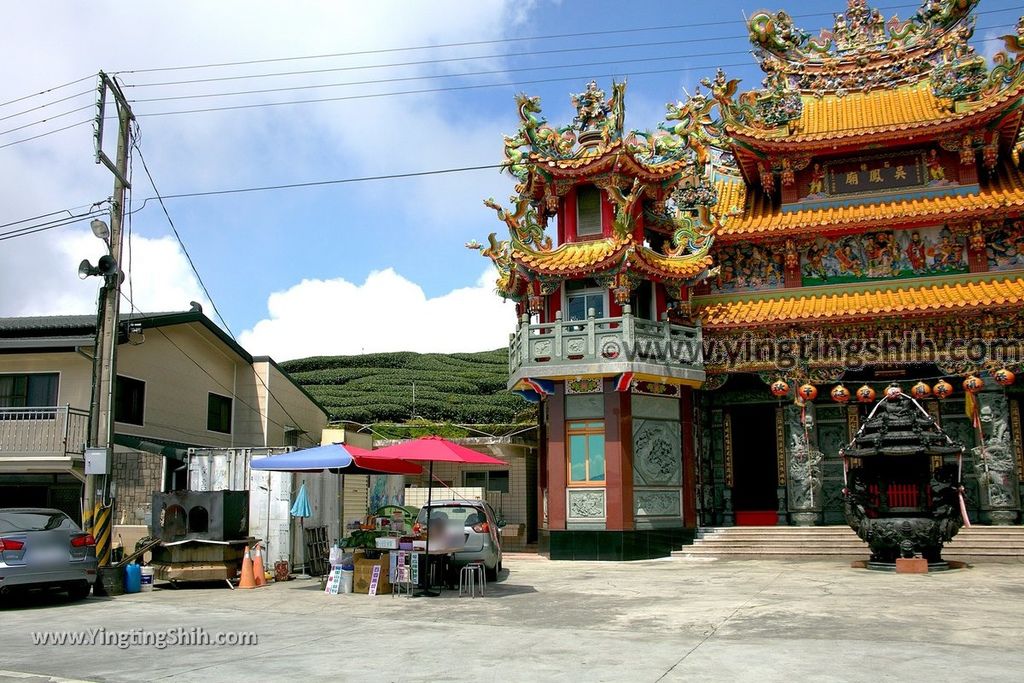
754	493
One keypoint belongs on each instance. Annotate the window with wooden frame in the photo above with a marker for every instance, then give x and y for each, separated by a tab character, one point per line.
588	211
586	452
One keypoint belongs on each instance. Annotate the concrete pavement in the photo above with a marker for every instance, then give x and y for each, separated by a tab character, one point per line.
666	620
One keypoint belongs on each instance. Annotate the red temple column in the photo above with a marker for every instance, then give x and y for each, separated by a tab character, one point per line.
689	459
618	455
556	462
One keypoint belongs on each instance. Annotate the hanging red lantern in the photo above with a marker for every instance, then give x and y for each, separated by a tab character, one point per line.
780	388
973	384
840	394
865	394
921	391
893	392
808	392
1004	377
943	389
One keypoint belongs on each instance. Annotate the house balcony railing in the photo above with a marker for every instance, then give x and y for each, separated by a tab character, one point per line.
606	347
50	436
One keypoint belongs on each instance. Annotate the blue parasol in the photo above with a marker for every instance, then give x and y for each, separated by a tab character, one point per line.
300	508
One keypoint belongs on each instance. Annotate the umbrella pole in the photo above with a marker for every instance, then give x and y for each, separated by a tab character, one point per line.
341	507
426	551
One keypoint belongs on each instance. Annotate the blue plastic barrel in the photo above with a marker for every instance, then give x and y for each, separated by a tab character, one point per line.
132	578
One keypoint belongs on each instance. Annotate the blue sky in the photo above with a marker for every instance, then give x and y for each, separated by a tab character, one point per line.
289	269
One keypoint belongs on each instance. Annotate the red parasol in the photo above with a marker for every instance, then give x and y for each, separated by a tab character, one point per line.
433	449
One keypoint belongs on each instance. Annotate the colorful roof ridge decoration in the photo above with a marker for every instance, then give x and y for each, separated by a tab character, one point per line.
1003	192
901	300
868	77
862	51
665	168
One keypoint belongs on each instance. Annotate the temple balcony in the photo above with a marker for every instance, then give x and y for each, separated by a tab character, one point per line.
46	439
565	349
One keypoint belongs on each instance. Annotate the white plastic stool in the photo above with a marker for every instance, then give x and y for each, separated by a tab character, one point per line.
470	577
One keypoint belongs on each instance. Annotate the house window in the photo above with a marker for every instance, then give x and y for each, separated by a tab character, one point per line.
129	400
493	480
218	414
580	297
586	452
34	390
588	211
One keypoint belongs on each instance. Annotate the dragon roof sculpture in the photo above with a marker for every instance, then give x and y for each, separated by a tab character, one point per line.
660	174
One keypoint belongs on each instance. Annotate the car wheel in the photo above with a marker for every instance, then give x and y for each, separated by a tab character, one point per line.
79	591
491	572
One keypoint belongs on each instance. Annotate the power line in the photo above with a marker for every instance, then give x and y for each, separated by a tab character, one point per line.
337	181
504	55
51	213
33	229
199	278
43	135
48	90
49	118
495	41
48	104
230	391
428	77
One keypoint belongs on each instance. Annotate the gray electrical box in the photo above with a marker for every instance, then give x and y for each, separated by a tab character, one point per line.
97	461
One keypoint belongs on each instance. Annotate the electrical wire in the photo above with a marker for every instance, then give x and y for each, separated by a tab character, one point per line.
48	119
505	55
48	90
262	414
199	278
43	135
495	41
433	76
33	229
48	104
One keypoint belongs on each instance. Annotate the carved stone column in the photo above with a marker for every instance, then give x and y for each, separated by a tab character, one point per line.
780	462
728	518
996	463
803	467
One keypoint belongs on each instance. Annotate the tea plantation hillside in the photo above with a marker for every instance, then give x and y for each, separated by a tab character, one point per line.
464	388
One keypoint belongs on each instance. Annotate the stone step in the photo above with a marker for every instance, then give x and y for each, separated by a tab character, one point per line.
982	542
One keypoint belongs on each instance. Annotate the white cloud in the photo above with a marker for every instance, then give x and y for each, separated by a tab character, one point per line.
385	313
161	279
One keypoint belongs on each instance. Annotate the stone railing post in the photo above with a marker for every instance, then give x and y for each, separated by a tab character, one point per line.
558	334
591	333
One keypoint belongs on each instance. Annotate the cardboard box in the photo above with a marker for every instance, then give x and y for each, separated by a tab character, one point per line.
364	574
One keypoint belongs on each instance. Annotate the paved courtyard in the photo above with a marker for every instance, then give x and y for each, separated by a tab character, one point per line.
671	619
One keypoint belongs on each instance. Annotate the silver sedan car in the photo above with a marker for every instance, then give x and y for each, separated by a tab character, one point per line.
44	548
472	527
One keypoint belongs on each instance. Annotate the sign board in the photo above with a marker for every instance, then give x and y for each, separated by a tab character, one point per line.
375	579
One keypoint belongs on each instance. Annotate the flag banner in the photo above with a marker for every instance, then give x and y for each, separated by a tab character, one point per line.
624	381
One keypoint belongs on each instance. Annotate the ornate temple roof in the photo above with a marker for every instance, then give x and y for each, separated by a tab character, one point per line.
886	113
761	218
877	301
871	77
596	256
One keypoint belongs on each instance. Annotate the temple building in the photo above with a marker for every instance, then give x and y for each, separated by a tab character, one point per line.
708	310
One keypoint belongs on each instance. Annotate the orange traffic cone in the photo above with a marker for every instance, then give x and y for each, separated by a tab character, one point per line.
257	566
247	580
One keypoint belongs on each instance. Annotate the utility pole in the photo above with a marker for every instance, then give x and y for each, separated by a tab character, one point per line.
101	414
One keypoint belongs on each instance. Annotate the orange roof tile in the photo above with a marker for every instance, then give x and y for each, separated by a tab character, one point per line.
1005	190
568	257
885	301
672	267
604	253
907	108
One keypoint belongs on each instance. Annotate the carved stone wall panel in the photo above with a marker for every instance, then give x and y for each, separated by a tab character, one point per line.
804	460
586	504
995	462
658	502
657	453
